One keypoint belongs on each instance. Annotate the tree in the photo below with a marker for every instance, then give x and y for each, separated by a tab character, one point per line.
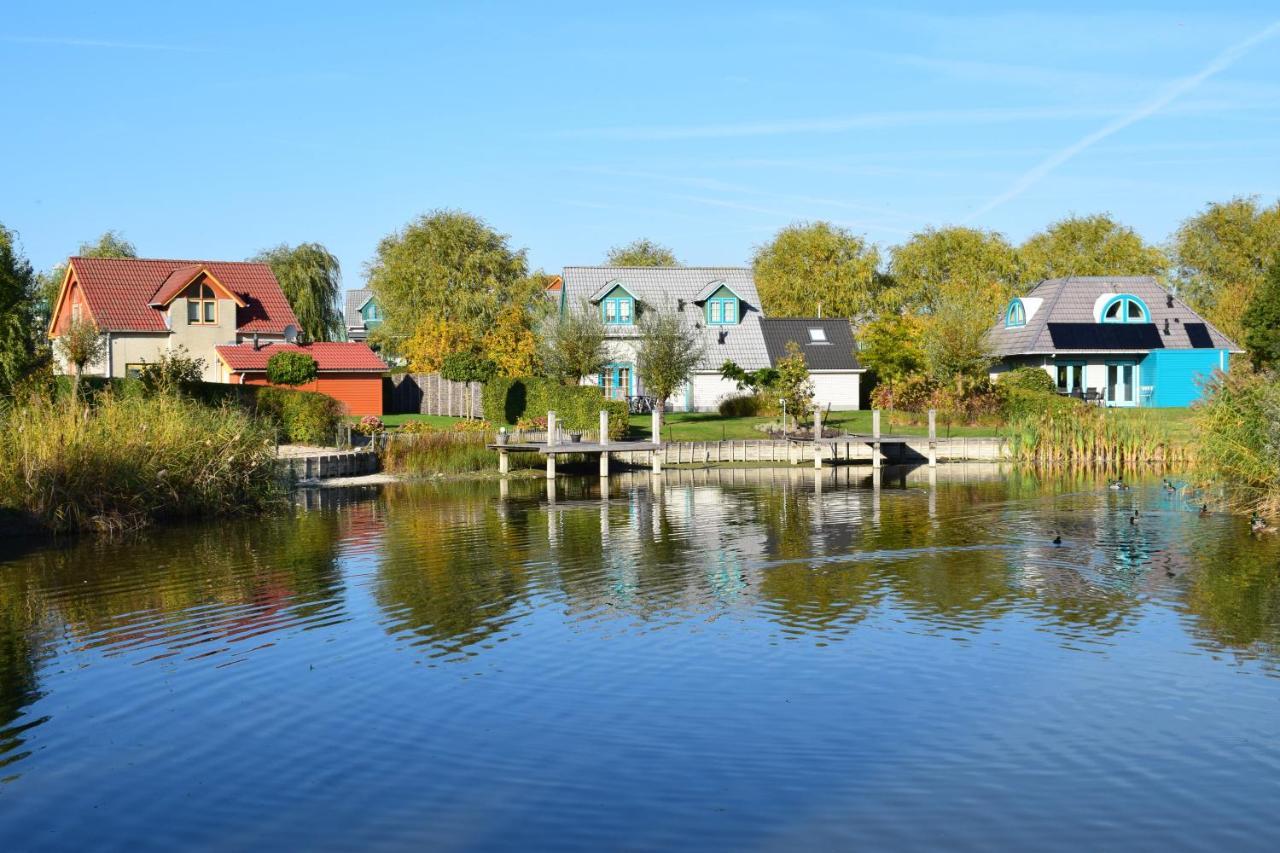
1089	245
982	262
756	381
667	354
291	368
794	388
641	253
1222	255
80	344
111	244
817	269
573	344
1261	321
311	279
448	266
955	342
511	345
17	295
890	346
434	340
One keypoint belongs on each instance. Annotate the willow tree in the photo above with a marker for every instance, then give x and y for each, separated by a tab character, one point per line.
17	292
980	262
668	352
641	253
573	344
817	269
448	266
311	279
1090	245
1222	256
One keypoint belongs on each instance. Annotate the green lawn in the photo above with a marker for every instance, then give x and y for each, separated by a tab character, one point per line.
434	420
710	426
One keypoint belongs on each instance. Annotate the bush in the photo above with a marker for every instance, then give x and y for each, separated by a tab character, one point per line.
303	417
291	368
913	394
1238	425
577	407
742	406
1028	379
172	373
1018	403
126	461
369	425
467	367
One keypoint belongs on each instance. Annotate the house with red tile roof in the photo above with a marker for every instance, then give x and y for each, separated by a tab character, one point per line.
231	314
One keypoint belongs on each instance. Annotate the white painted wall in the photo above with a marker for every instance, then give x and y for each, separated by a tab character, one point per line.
838	389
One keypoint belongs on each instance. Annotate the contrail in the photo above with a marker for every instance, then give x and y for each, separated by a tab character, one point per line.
1179	88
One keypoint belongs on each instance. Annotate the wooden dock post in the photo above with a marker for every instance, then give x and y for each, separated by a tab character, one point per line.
657	439
933	438
817	438
604	441
875	438
503	465
551	440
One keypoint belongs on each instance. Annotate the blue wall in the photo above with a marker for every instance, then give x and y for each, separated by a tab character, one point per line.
1176	374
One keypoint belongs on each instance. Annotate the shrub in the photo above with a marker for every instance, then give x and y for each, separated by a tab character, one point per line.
742	406
912	394
1238	425
467	367
577	407
1028	379
291	368
303	417
1018	403
369	425
126	461
172	373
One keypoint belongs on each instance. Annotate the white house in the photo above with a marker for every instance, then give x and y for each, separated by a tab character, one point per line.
722	304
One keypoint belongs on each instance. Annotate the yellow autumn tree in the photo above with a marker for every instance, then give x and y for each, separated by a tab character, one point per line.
511	345
432	340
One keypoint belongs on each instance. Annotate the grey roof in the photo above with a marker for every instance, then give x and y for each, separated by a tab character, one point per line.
837	353
1073	300
663	288
355	301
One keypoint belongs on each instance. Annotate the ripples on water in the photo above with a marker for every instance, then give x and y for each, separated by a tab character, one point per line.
737	658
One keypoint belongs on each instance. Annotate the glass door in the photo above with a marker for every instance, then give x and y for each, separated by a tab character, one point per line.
1122	384
1071	379
616	381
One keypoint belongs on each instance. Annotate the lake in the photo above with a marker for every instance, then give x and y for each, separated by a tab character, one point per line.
765	659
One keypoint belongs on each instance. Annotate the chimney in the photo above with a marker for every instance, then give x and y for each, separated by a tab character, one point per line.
723	335
1166	325
255	340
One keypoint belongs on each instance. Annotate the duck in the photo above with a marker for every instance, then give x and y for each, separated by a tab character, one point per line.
1258	524
1133	519
1169	486
1204	510
1118	486
1057	540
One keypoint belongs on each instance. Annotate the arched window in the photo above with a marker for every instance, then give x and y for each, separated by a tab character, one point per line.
1125	309
202	305
1016	315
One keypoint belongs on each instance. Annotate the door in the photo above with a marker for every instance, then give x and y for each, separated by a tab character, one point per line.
616	381
1122	381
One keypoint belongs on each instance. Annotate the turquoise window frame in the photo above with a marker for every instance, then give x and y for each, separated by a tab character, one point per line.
611	371
1123	314
1012	320
1136	387
615	305
1079	374
719	309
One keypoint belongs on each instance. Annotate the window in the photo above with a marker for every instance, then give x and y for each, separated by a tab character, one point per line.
617	310
75	312
1070	378
722	311
1016	315
133	370
202	306
1125	309
615	381
817	336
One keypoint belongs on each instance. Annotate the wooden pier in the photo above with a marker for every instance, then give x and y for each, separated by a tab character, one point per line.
556	446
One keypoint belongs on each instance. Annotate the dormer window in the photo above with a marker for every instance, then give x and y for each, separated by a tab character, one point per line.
1016	315
1125	309
722	308
202	306
618	308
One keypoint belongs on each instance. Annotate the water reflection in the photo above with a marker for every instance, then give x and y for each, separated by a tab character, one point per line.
450	571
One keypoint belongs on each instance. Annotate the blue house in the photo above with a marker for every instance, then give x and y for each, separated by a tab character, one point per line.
1120	340
362	314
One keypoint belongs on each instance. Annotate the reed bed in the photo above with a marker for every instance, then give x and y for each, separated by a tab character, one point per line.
446	452
1091	437
125	462
1238	433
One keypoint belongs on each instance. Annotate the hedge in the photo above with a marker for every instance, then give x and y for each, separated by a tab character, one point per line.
505	400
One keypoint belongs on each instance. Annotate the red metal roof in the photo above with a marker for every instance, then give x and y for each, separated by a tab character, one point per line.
330	357
120	291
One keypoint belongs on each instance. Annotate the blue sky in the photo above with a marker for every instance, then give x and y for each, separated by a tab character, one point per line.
214	130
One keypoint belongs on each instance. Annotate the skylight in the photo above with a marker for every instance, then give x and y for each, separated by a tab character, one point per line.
817	336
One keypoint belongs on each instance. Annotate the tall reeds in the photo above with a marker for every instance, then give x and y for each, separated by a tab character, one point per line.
446	452
1238	433
1088	436
127	461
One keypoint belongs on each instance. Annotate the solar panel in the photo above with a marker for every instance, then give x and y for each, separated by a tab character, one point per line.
1105	336
1199	335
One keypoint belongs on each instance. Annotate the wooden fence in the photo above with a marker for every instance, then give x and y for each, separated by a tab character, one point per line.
430	394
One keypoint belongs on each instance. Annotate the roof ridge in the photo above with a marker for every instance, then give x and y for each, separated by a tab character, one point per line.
188	261
611	267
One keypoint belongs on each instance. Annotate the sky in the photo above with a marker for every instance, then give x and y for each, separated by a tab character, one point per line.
215	130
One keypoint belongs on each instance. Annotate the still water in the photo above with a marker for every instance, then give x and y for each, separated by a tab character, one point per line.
763	659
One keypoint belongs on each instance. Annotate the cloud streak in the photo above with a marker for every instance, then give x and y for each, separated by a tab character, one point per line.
112	45
1171	93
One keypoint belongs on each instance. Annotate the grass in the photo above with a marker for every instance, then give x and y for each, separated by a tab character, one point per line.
125	462
710	426
1111	437
433	420
449	452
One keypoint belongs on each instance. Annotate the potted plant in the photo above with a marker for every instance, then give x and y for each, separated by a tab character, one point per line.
575	437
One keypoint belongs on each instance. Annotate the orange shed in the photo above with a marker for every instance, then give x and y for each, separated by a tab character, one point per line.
349	372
